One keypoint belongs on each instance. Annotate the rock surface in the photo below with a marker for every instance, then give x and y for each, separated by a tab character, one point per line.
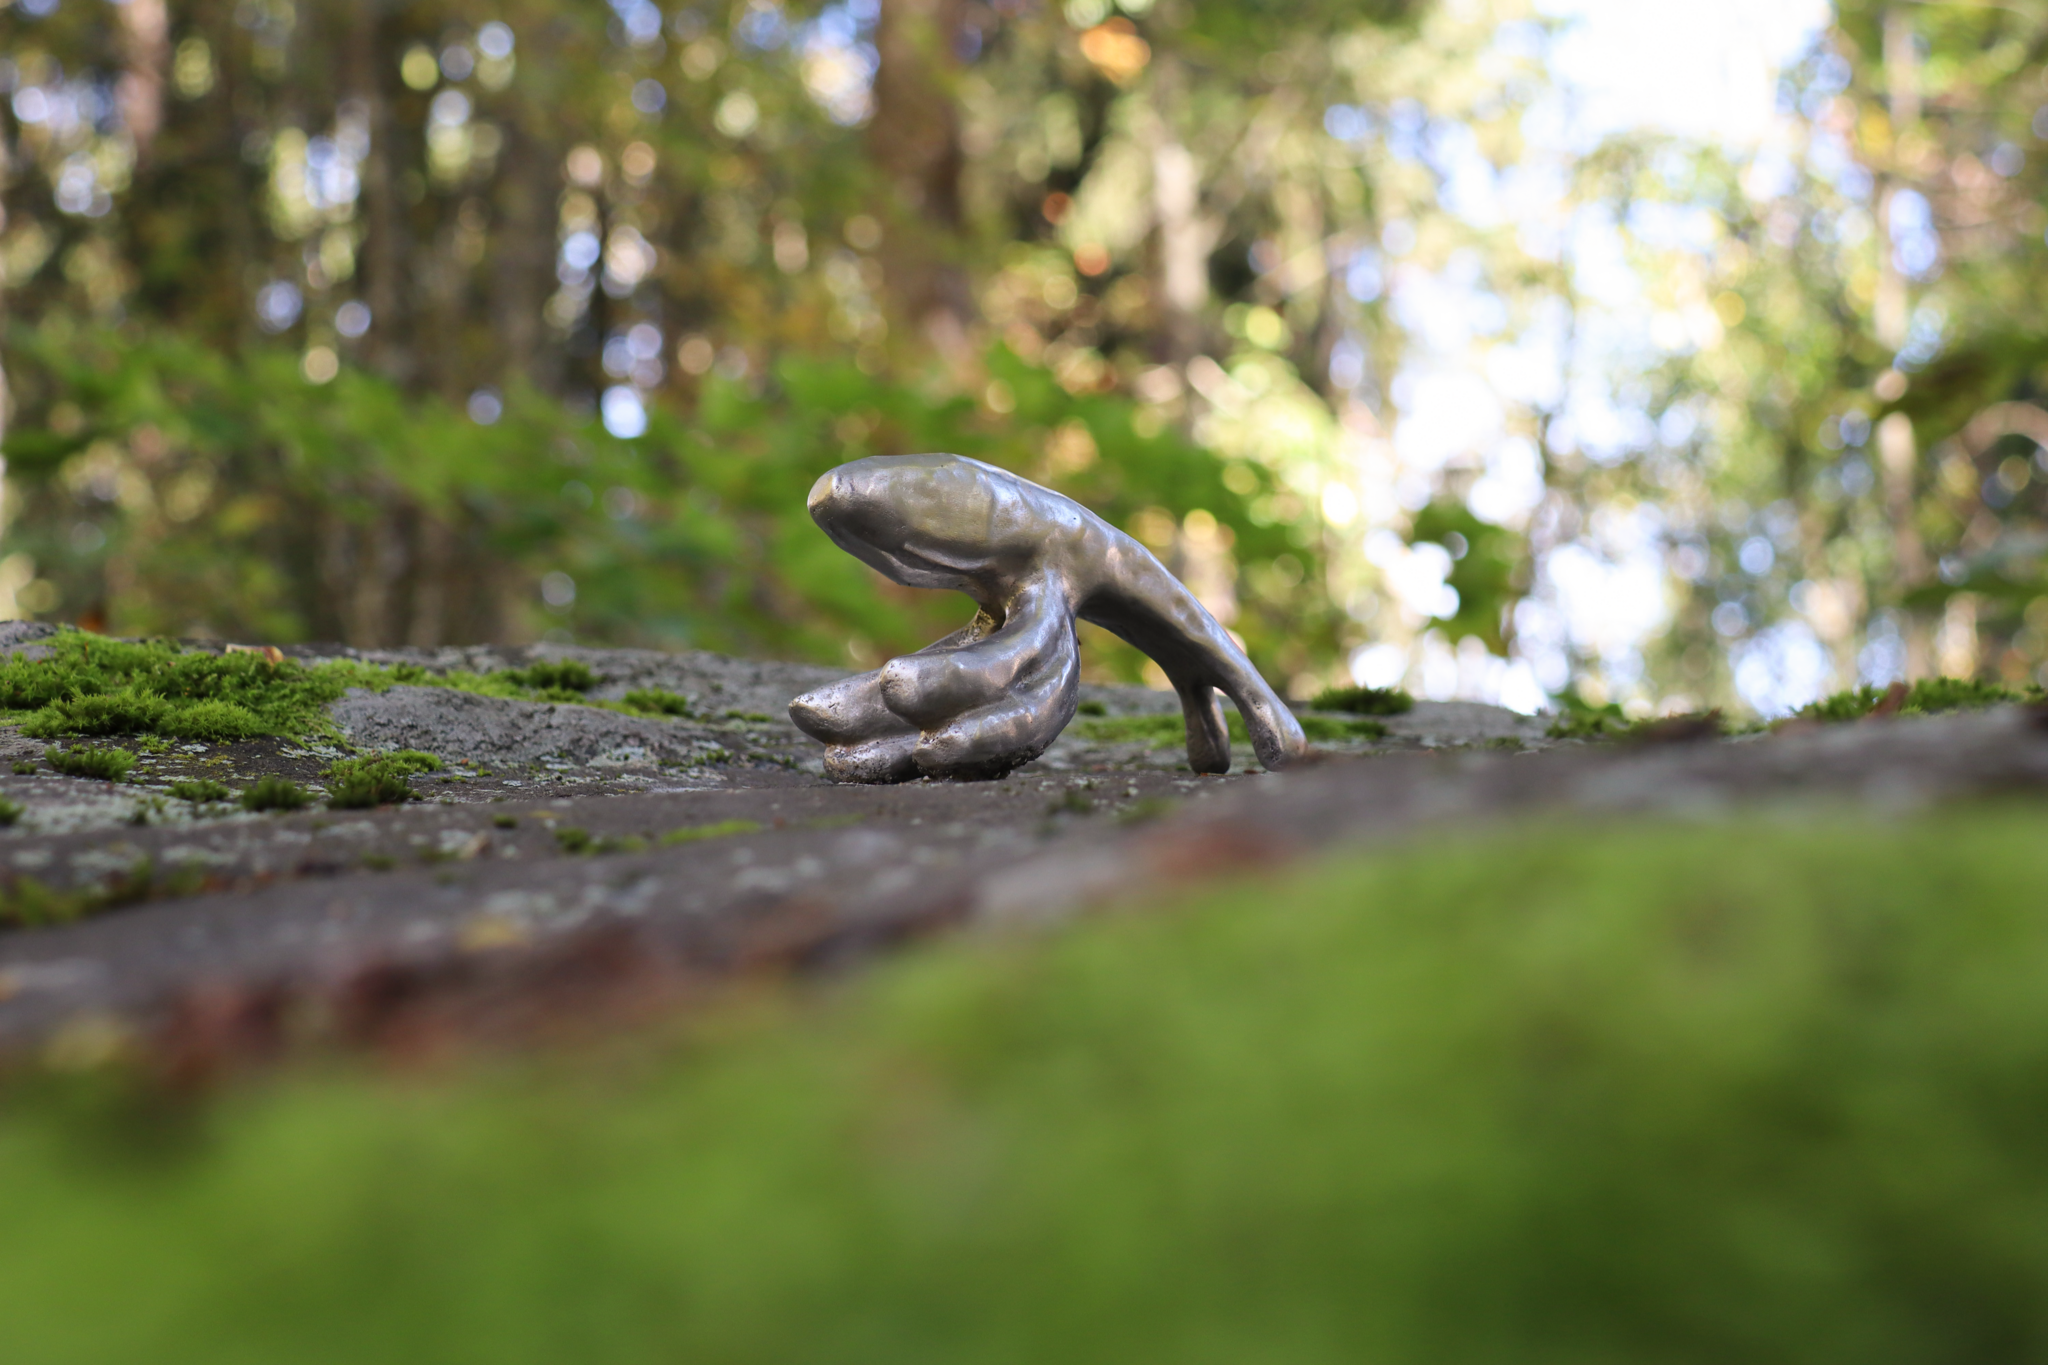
573	844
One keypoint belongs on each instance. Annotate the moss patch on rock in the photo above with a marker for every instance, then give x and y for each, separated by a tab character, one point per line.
1929	696
89	685
1160	731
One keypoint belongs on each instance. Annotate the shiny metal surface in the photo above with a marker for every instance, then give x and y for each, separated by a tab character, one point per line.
996	693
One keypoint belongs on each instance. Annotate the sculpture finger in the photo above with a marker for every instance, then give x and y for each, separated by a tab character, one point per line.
892	759
931	687
1208	735
847	712
1276	735
1010	732
1134	596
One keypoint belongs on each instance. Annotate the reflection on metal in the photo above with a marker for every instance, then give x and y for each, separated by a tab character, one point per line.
997	693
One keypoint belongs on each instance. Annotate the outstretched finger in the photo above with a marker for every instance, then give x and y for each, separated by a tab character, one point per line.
849	711
878	760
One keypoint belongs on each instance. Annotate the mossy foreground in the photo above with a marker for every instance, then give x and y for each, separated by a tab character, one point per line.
90	685
1758	1092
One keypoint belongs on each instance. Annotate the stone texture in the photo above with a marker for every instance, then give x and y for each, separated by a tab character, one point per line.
496	732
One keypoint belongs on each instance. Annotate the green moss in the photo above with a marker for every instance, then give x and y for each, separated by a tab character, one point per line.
1073	801
1092	708
134	712
27	903
107	765
581	842
276	793
376	779
719	829
214	722
1364	701
1156	731
1765	1090
25	767
1147	808
505	821
125	712
1581	719
199	790
1329	729
565	675
360	784
11	811
1162	731
655	702
91	685
1929	696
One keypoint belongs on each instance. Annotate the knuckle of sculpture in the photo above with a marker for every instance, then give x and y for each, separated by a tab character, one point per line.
1034	560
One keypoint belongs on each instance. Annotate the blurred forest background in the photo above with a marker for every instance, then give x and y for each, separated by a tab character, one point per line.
463	320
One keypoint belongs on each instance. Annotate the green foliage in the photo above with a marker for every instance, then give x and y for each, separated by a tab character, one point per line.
10	812
108	765
276	793
274	476
656	702
717	829
721	552
1602	1080
1489	569
199	790
1364	701
24	767
1929	696
1091	708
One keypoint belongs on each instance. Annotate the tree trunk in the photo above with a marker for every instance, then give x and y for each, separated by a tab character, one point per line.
384	247
524	252
1187	236
914	143
1898	451
146	50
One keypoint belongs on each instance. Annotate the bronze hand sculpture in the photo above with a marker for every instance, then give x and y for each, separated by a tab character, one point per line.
996	694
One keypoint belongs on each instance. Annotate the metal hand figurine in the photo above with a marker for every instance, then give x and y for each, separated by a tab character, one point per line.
997	693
